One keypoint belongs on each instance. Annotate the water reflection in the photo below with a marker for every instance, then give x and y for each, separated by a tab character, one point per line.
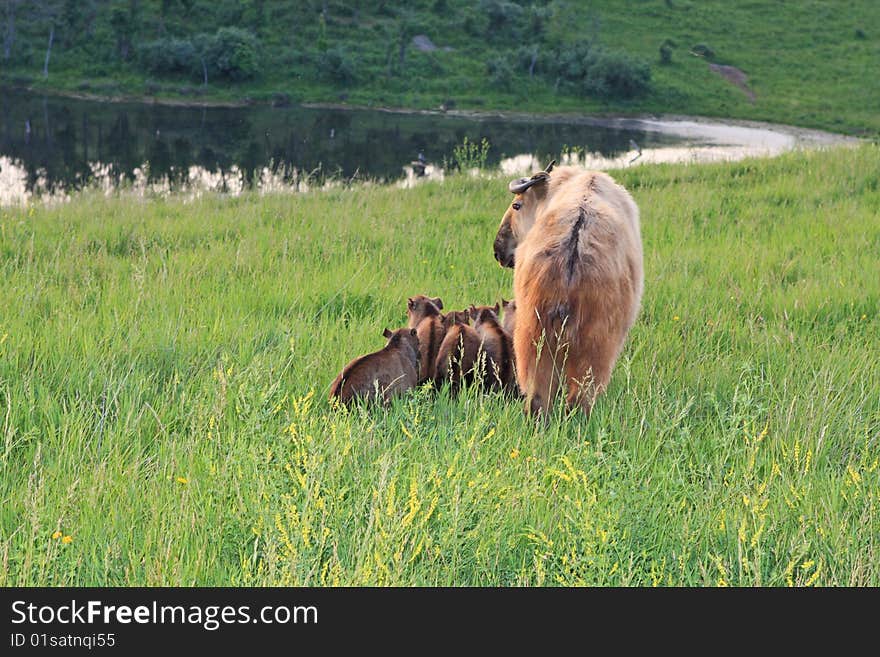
50	146
64	143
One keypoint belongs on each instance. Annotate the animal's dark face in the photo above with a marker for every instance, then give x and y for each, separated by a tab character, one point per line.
520	215
506	240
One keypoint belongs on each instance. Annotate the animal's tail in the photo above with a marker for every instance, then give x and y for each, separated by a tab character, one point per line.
335	387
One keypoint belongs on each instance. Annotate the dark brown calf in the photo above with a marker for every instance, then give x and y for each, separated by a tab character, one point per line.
458	353
381	374
497	347
509	320
454	317
424	316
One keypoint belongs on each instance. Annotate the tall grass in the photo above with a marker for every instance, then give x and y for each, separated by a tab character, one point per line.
164	366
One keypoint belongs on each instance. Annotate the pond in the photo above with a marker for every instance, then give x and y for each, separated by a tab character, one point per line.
51	145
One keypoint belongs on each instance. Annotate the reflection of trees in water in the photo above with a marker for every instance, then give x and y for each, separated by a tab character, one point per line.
121	148
67	134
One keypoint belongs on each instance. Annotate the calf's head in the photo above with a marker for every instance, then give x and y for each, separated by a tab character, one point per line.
419	307
404	338
482	314
529	193
454	317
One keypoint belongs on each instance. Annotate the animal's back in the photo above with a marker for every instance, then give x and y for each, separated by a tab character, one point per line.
430	332
457	354
499	355
587	251
382	373
352	378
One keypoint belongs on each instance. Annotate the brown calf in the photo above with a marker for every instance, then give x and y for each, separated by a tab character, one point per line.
381	374
424	316
509	320
454	317
496	345
458	352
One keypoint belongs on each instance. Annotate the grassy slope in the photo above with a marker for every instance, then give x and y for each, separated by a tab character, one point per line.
804	60
163	368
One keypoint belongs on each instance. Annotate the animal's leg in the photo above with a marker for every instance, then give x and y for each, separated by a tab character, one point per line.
535	366
588	372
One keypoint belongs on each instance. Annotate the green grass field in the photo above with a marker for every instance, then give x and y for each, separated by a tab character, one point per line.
164	366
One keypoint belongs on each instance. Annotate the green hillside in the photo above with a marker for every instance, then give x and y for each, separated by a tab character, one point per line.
807	63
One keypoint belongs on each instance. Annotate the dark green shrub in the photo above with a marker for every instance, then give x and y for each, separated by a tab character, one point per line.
666	51
537	21
335	65
504	18
168	56
232	54
583	67
529	61
616	75
473	22
500	73
703	50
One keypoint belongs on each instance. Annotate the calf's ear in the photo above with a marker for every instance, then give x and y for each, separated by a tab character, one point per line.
437	301
387	333
496	308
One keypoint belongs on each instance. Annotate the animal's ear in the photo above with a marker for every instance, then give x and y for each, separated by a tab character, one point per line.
550	166
409	302
413	332
437	301
387	333
496	308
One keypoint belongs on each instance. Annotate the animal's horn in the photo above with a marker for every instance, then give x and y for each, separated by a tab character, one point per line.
550	166
520	185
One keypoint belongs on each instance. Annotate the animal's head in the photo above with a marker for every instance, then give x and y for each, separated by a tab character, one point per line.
454	317
509	315
529	193
482	314
420	306
403	337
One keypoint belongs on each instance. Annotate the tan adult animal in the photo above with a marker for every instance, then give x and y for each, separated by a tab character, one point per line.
381	374
497	347
424	315
574	239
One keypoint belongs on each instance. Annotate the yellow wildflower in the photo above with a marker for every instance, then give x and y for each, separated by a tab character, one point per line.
182	480
57	534
514	453
67	539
